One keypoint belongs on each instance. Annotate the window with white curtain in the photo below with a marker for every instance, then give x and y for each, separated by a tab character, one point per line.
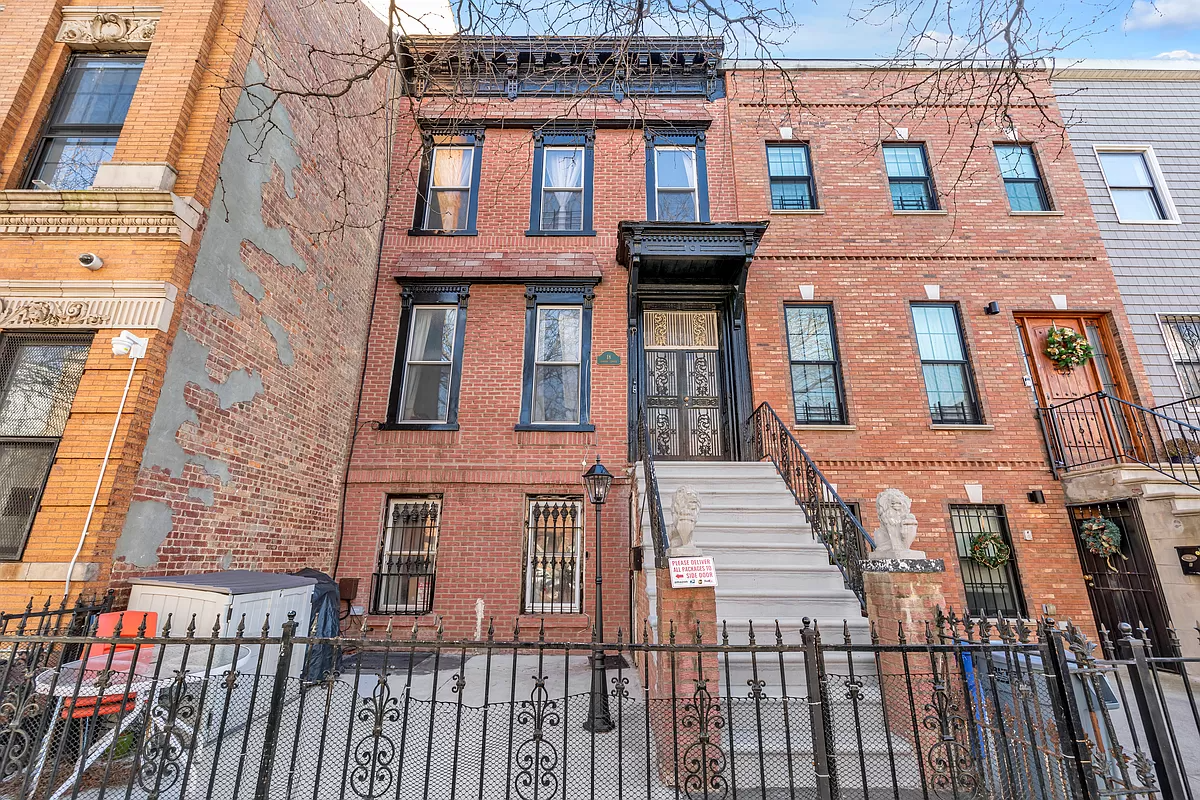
449	197
556	368
562	189
429	364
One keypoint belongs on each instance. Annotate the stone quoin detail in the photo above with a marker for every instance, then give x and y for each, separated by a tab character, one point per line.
111	28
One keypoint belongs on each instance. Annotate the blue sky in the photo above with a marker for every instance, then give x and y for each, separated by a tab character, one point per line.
1122	29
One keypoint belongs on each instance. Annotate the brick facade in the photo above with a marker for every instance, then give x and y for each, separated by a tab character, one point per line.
282	335
869	262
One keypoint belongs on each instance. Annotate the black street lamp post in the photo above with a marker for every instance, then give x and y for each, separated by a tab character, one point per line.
597	480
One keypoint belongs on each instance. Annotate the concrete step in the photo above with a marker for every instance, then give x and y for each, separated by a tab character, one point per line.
769	566
767	602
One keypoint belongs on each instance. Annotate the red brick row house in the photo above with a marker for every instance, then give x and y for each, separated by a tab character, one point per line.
570	257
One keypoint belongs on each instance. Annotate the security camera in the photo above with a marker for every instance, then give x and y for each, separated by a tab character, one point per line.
90	260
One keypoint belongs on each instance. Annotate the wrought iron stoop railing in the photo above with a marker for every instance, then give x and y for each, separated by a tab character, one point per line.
832	522
1100	428
652	498
963	710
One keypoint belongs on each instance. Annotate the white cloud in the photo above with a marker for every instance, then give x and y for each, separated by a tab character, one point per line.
1179	55
935	44
1163	14
417	16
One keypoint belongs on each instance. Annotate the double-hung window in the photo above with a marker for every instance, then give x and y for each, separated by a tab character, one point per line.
85	120
448	197
561	203
429	350
1182	332
948	381
676	177
816	375
909	177
1022	179
39	376
405	573
790	171
1135	185
556	380
553	556
991	591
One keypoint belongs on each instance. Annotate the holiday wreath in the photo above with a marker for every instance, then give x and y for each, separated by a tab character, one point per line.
989	549
1102	537
1067	349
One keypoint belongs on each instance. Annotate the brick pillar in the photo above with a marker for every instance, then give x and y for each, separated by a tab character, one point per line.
904	594
684	684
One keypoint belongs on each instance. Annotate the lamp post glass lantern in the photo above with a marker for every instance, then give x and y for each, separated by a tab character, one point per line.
597	481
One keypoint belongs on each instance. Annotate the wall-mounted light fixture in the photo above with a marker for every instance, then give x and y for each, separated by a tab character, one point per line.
992	308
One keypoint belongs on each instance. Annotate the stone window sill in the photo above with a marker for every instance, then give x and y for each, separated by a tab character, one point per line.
824	427
1037	213
947	427
933	212
797	212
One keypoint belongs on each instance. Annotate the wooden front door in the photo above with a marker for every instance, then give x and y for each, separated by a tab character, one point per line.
683	384
1077	429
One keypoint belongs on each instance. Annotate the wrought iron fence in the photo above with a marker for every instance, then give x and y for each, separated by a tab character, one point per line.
962	709
832	521
1100	429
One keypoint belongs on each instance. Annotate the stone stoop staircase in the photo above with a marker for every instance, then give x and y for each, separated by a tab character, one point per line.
770	569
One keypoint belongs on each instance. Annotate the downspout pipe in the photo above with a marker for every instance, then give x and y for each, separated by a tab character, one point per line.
134	347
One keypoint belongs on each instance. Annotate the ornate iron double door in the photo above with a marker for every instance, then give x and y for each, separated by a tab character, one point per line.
683	390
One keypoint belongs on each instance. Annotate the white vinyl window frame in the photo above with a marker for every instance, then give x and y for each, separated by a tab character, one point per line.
693	189
1156	175
528	604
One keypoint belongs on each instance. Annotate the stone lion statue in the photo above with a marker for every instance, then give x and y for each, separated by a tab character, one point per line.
897	526
684	509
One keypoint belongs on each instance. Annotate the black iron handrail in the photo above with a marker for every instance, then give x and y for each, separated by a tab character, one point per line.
1187	409
832	521
1101	429
658	527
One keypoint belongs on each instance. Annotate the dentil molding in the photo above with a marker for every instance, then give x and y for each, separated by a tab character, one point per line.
86	304
108	27
98	212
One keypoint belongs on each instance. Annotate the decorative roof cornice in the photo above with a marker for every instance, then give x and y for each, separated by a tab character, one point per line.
485	66
688	240
108	27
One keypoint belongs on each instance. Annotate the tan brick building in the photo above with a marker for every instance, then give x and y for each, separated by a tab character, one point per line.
126	204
